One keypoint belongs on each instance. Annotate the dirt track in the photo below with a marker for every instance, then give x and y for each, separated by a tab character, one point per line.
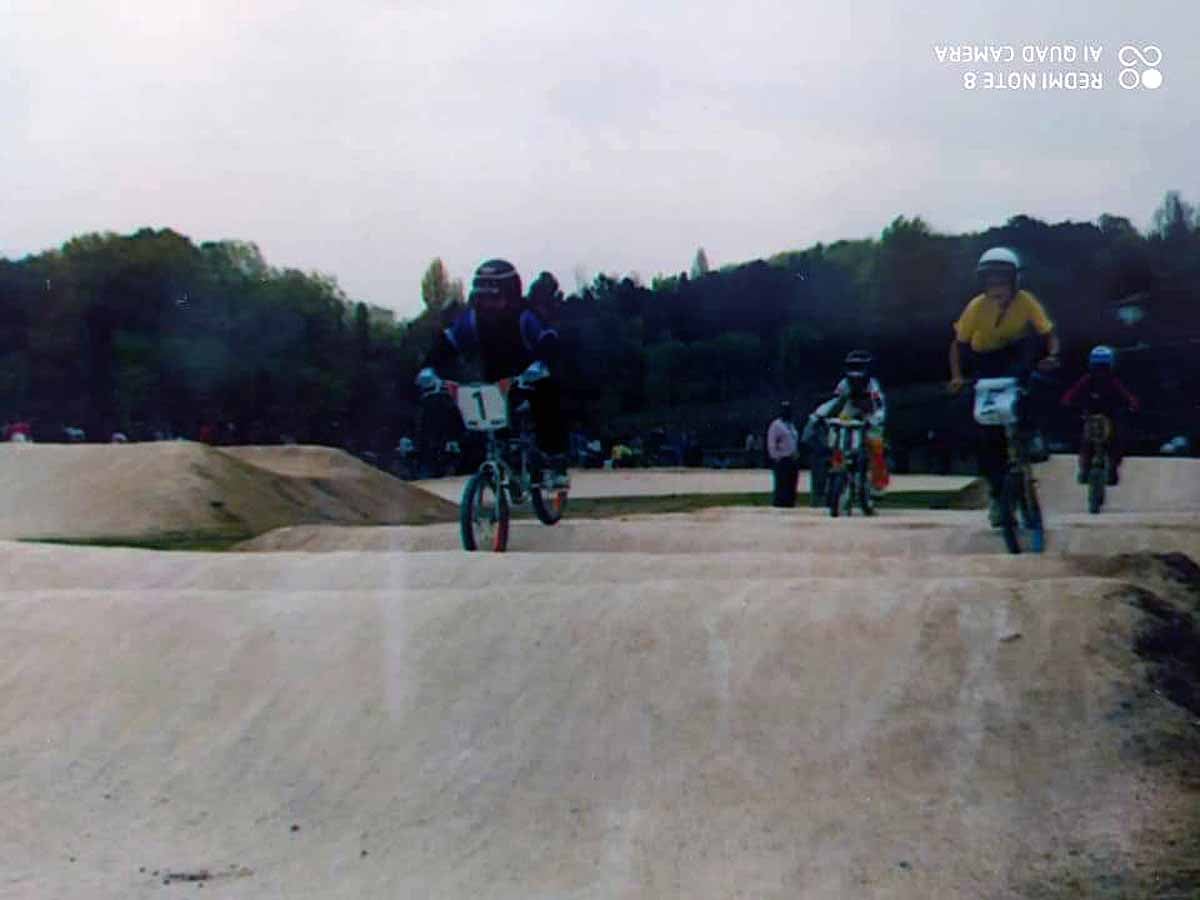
596	484
757	703
142	490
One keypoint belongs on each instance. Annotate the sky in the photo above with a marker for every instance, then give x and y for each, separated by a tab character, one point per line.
363	138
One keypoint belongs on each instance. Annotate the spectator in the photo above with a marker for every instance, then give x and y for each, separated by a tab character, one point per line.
782	445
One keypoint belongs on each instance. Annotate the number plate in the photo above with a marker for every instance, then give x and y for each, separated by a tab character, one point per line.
483	407
845	436
996	401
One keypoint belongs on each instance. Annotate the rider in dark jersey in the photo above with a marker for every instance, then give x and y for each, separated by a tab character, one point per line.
510	339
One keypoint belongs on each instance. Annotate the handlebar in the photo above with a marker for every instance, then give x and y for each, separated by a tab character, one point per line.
451	387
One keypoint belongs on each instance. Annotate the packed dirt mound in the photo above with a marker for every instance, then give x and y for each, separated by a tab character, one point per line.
1148	484
590	726
303	461
77	491
729	530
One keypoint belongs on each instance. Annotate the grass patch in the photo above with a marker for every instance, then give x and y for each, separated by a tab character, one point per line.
193	541
612	507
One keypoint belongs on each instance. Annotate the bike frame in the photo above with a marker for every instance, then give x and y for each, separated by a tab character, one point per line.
508	456
1098	431
847	444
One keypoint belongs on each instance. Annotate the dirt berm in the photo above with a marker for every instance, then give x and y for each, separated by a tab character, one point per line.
94	491
591	725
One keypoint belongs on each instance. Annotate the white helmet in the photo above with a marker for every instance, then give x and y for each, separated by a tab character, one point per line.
1002	260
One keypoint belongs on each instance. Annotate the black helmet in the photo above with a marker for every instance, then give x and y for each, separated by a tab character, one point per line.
544	289
496	278
858	364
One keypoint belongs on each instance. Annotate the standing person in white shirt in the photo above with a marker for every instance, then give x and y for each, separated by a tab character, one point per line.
782	445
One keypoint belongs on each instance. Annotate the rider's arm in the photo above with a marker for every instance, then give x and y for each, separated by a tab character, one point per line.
830	407
879	414
955	360
1071	397
1052	344
540	340
1130	399
964	331
459	338
1042	324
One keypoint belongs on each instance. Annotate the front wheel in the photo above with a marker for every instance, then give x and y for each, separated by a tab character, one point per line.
483	514
835	485
1097	481
1019	499
1014	483
548	507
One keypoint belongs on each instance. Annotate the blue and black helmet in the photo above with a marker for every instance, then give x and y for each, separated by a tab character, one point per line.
496	278
1102	357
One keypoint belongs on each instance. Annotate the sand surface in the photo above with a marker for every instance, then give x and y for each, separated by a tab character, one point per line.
735	703
140	490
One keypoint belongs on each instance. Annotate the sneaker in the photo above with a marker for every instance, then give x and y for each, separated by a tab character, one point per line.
1037	448
556	476
994	517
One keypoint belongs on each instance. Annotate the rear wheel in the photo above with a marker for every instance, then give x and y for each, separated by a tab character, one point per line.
549	507
483	514
1031	516
865	500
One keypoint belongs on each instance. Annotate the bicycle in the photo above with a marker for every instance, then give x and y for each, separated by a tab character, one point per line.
1097	432
513	471
997	403
847	482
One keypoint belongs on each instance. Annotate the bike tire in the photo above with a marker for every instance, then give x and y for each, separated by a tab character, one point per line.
865	501
483	504
1010	501
548	510
1031	516
1097	482
834	487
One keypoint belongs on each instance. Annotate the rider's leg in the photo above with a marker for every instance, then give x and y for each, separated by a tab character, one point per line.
992	449
550	427
817	477
1115	454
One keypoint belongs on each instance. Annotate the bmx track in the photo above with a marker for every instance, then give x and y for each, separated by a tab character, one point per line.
737	702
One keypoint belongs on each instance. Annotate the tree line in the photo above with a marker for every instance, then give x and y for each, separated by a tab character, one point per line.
152	332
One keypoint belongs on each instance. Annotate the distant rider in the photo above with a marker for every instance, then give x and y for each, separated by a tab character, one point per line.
510	340
858	395
993	334
1100	392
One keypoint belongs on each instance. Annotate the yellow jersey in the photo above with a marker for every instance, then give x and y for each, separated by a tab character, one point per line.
987	327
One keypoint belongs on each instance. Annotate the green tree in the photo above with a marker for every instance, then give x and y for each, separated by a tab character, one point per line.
1174	220
435	287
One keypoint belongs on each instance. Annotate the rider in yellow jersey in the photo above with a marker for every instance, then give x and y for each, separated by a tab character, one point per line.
994	333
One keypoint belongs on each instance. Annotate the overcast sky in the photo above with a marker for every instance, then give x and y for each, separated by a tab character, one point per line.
362	138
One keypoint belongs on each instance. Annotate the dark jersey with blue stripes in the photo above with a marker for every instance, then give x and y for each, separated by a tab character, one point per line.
506	344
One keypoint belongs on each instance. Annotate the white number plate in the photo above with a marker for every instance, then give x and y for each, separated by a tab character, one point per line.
483	407
996	401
